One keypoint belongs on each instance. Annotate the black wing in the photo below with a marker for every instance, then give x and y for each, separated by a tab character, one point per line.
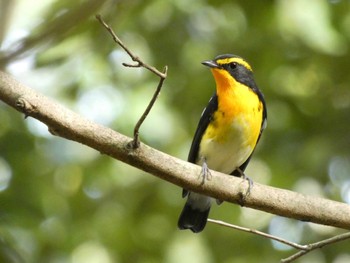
204	121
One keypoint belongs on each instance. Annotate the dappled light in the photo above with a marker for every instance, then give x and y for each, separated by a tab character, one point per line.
62	201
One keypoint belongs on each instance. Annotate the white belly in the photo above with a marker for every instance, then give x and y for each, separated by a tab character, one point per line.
228	154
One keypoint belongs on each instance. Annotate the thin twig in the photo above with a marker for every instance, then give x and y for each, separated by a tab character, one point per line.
139	63
316	245
304	248
281	240
136	141
135	58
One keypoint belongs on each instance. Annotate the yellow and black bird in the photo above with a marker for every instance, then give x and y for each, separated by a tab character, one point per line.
227	133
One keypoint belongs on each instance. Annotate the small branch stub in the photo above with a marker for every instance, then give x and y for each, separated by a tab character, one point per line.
24	106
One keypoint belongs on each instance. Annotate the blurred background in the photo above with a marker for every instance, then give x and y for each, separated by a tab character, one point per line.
63	202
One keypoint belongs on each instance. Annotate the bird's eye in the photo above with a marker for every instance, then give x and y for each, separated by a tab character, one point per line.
232	65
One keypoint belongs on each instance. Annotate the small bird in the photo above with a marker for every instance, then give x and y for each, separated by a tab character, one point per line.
227	133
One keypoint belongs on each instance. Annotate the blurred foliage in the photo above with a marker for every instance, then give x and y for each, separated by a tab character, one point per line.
63	202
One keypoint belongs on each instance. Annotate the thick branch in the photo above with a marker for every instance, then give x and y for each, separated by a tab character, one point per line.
67	124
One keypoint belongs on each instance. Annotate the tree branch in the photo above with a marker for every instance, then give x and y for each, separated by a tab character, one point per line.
52	29
259	233
134	58
304	249
313	246
162	75
67	124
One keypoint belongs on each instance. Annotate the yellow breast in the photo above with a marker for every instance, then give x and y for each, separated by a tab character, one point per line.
233	133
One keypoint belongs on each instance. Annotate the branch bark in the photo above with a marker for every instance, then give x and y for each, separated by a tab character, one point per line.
67	124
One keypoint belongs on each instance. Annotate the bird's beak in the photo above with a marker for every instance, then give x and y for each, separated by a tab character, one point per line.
210	64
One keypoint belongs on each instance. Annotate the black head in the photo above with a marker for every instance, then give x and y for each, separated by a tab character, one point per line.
238	68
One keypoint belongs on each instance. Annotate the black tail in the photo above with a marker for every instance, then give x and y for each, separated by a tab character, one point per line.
193	219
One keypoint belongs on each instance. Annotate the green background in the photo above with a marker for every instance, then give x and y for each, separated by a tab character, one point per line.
63	202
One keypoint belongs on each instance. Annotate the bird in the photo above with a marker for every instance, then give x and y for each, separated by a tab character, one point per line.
227	133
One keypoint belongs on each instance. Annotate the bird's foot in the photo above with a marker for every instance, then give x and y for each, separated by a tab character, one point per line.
205	172
250	185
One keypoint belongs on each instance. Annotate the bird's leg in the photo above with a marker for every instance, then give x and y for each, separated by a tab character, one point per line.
205	172
250	181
